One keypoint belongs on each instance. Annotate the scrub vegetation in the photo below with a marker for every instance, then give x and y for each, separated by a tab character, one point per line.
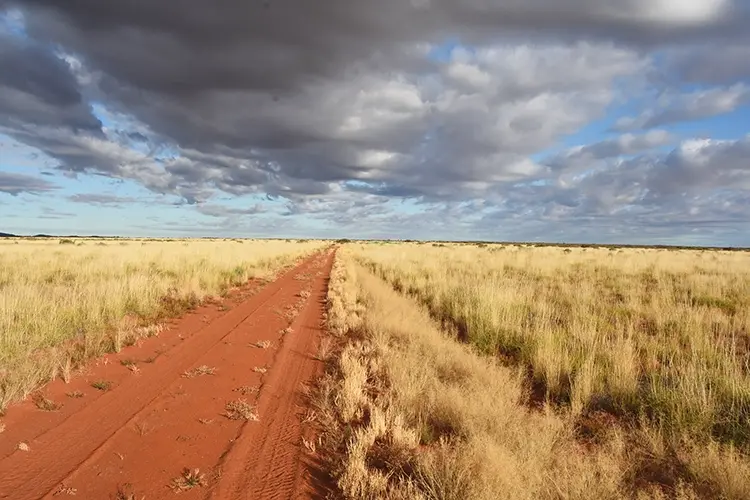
498	371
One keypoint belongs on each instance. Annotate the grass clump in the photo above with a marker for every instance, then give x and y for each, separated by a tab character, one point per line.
240	409
187	480
199	371
246	389
126	492
102	385
45	404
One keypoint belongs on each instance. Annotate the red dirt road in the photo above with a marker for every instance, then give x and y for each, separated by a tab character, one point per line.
167	414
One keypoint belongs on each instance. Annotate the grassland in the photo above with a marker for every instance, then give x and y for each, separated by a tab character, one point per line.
65	301
520	372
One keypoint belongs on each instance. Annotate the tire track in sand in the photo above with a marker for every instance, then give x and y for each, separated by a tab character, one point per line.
269	461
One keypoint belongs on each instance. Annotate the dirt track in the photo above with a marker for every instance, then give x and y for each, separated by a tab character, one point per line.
156	419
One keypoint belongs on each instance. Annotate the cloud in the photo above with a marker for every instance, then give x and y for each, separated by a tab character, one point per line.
55	214
341	111
37	88
627	144
397	133
623	145
15	184
674	108
703	165
715	64
215	210
101	199
698	176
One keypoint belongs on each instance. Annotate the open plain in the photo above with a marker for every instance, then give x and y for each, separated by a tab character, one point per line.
357	370
514	371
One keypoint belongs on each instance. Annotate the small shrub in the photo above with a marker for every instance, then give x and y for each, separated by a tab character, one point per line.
240	410
188	479
45	404
102	385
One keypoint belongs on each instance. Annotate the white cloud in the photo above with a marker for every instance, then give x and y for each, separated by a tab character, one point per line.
682	12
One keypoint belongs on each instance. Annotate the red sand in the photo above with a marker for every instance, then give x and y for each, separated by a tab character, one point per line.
138	436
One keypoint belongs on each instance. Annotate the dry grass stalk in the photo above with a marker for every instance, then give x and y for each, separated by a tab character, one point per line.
64	490
309	445
324	349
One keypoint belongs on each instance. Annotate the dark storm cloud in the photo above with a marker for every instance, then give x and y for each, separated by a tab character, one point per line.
15	184
719	64
189	70
298	37
37	88
336	91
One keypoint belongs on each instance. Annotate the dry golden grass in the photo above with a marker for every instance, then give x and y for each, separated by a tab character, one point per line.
661	334
411	412
62	303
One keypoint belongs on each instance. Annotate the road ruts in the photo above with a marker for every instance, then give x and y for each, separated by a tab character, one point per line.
154	422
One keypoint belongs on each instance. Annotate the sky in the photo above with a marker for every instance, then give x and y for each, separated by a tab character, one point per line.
593	121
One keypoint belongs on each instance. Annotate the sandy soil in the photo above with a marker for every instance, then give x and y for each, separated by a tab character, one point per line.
166	407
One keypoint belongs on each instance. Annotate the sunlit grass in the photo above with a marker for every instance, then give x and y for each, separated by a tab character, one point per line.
660	333
537	373
412	412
